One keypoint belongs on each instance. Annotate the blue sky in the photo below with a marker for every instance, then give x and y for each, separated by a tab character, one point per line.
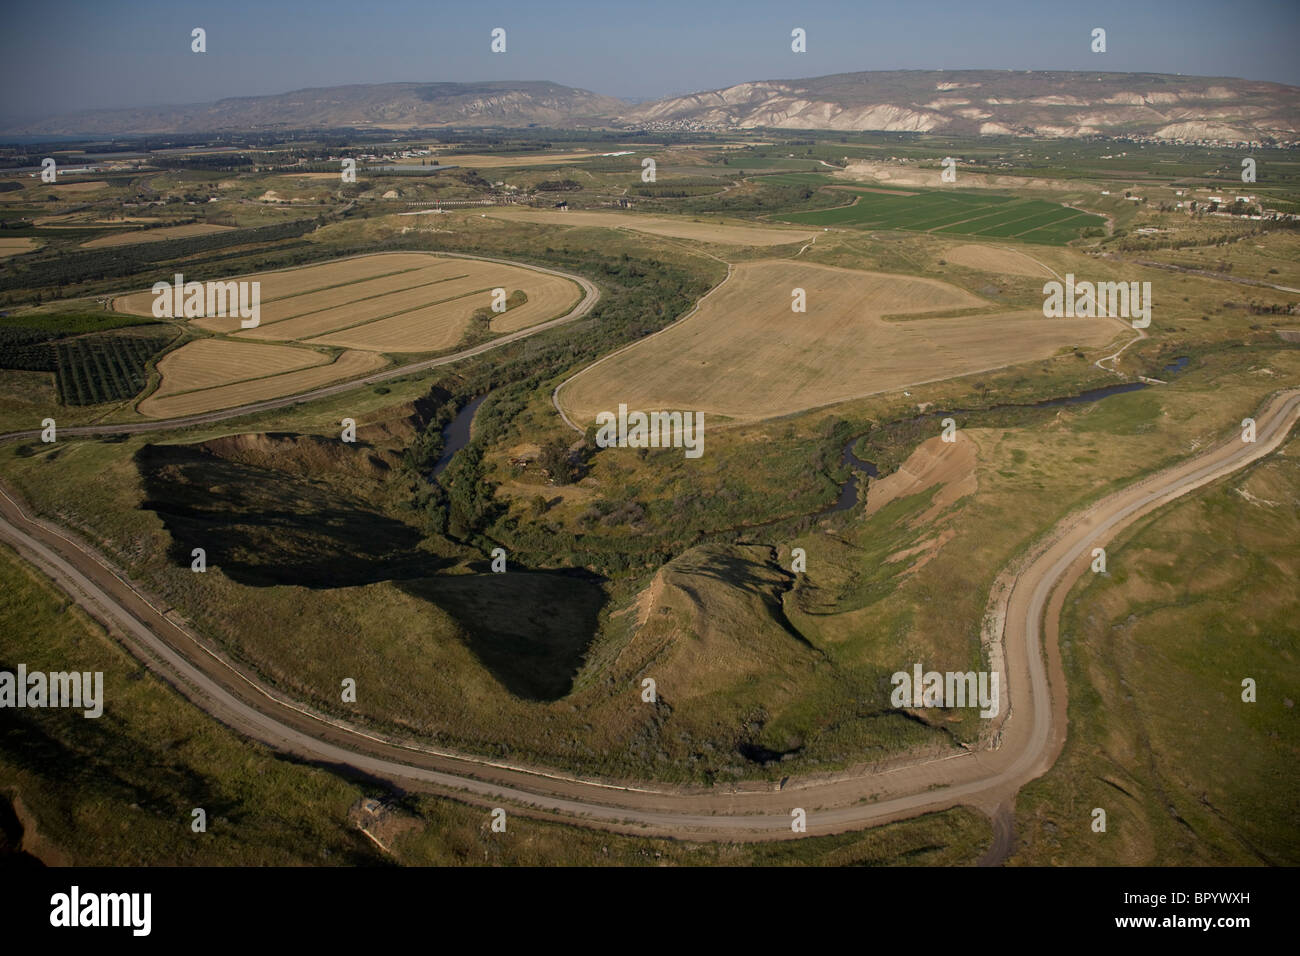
56	58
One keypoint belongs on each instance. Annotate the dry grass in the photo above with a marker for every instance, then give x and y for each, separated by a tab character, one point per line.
290	282
548	296
430	329
304	327
400	303
154	235
495	161
721	233
86	187
950	465
408	302
12	247
995	259
310	303
745	355
208	363
348	365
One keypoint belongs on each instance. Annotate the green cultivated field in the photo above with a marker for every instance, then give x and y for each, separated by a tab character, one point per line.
962	214
93	369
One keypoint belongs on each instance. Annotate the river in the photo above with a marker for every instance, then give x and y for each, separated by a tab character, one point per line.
455	435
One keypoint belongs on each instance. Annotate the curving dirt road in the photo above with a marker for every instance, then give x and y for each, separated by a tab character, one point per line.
1029	740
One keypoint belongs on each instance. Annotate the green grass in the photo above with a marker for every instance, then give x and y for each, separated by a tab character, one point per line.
72	323
1198	596
119	790
971	213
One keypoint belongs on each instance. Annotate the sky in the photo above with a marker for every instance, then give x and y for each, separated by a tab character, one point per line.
73	55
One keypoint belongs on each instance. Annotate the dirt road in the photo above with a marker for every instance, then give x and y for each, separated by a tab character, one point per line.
1031	736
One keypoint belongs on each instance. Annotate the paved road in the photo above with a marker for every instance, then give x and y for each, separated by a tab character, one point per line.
1030	738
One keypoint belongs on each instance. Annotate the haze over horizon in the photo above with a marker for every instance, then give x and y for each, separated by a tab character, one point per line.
104	56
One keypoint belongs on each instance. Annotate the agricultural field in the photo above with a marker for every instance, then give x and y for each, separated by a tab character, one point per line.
109	367
14	247
91	357
84	220
722	233
154	235
404	302
208	363
995	259
251	387
78	188
506	160
921	304
745	354
956	213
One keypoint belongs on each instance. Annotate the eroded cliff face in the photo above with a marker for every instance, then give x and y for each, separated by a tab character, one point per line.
997	102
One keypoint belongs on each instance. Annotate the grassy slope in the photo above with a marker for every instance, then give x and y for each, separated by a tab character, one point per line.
1199	596
119	790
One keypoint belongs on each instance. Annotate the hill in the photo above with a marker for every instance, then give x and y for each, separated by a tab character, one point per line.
961	102
992	102
384	105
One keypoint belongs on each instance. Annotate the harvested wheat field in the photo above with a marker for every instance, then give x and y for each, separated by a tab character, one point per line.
996	259
207	363
441	325
722	233
63	189
297	281
401	302
154	235
176	404
426	292
745	355
504	161
12	247
353	293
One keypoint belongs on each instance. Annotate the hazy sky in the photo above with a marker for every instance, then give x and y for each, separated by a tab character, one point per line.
69	55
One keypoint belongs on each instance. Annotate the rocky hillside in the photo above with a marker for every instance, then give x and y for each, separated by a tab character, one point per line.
991	102
963	102
385	105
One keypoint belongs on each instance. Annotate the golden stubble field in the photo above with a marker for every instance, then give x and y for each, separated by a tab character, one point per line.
995	259
13	247
722	233
246	389
745	355
368	305
154	235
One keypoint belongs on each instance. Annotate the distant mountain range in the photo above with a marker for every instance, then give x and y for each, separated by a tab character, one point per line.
963	102
383	105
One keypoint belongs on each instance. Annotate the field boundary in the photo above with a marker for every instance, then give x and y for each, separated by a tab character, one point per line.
721	421
555	394
584	305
